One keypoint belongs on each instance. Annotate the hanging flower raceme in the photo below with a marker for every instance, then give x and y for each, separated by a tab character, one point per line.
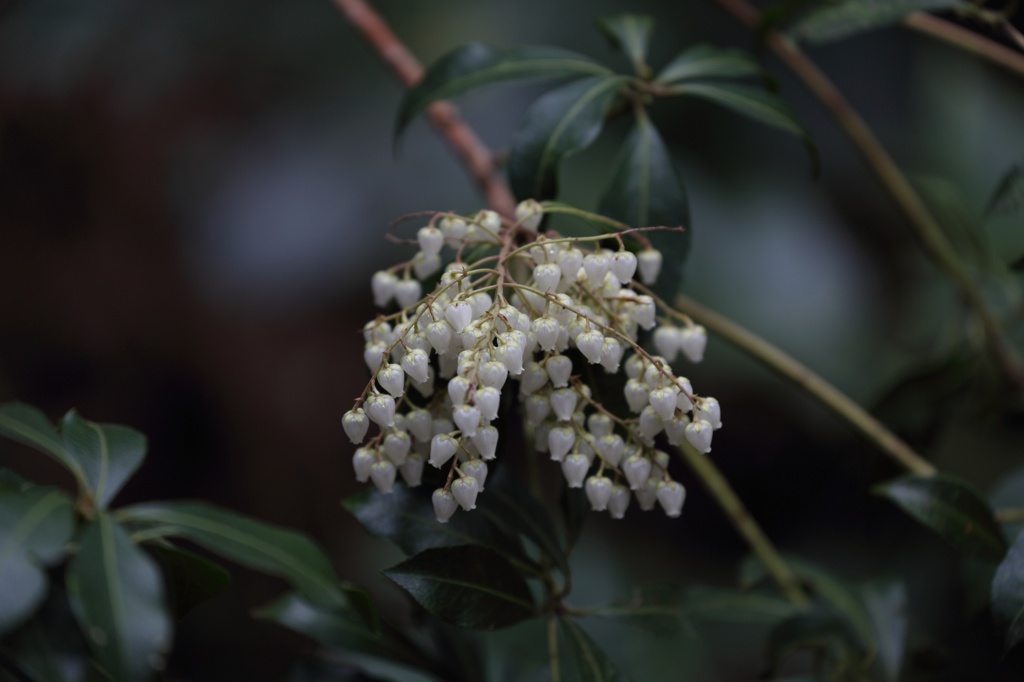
521	313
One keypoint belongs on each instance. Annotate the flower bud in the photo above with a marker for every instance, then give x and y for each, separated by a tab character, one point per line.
442	447
546	330
373	355
560	441
611	448
559	369
489	221
692	341
574	468
611	355
619	501
381	409
599	492
710	411
649	263
412	470
529	214
459	314
636	393
465	490
383	286
382	474
392	379
444	505
477	468
670	496
493	374
563	403
486	441
467	418
698	433
685	391
355	424
430	240
636	469
458	387
408	292
488	399
439	334
454	230
416	364
547	276
663	400
362	460
510	354
634	367
596	265
570	261
396	446
623	266
591	344
666	340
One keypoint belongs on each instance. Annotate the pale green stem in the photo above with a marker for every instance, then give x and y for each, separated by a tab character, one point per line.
556	673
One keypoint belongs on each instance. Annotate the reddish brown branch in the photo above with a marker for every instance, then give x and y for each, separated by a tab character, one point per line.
966	40
473	153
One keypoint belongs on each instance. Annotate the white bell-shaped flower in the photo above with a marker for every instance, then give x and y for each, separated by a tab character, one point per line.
442	448
546	330
396	446
563	403
591	344
710	411
611	448
424	265
667	340
537	409
596	265
635	366
599	424
510	354
430	240
623	266
443	425
533	378
416	364
412	470
381	409
459	314
493	374
570	261
651	422
683	401
488	400
671	495
611	354
547	276
477	468
644	312
560	441
458	388
699	433
425	388
693	340
528	214
618	503
362	460
465	490
444	504
559	369
599	492
467	418
649	263
480	303
373	354
420	424
486	441
663	400
355	423
636	393
439	334
636	469
383	286
383	474
647	494
392	379
408	292
574	468
675	428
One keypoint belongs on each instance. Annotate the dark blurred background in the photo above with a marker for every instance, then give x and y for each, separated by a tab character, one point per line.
193	196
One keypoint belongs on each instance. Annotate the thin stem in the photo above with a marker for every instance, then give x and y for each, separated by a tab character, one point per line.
473	153
826	393
921	219
966	40
1010	515
556	673
745	524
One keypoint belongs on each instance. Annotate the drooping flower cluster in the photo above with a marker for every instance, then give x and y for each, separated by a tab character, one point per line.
507	323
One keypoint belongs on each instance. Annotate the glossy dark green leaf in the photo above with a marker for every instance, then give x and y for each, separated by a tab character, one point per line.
708	62
191	578
11	482
406	518
886	603
512	507
468	586
630	33
581	659
35	525
845	18
735	606
755	104
645	191
823	631
952	509
117	596
474	65
342	630
29	426
107	453
828	588
564	120
260	546
1008	594
51	647
1008	196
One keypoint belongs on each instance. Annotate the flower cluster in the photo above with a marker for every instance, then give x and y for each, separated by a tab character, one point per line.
506	323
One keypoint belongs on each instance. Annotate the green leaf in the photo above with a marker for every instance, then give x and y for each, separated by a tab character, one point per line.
35	525
561	122
1008	594
192	579
952	509
512	507
708	62
821	630
29	426
11	482
468	586
342	630
51	646
630	33
755	104
259	546
117	597
1008	196
108	454
736	607
657	610
842	19
581	659
646	191
475	65
887	605
407	519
